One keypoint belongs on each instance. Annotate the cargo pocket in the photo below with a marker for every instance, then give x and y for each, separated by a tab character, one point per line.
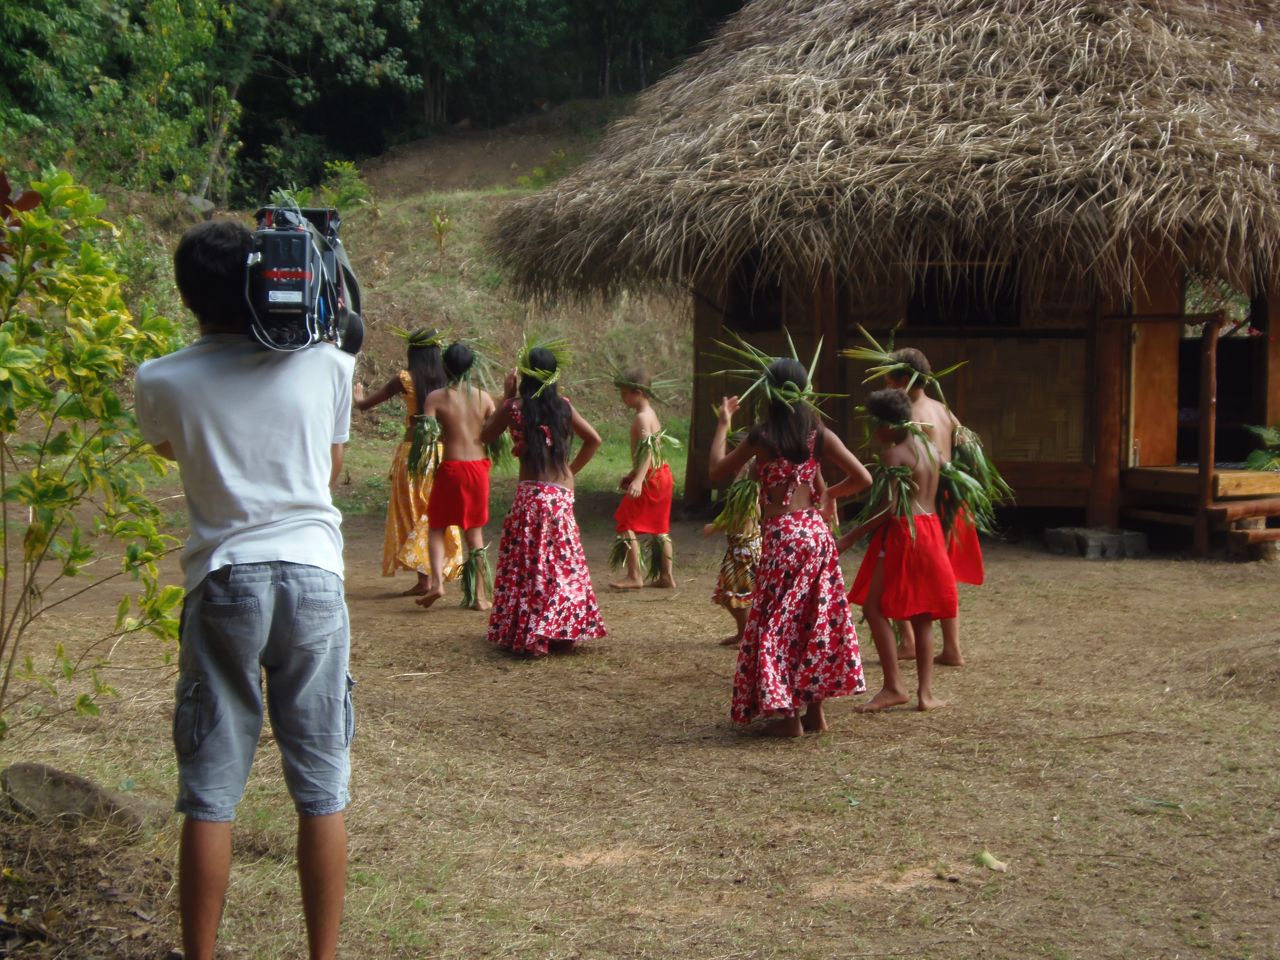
320	622
189	726
349	712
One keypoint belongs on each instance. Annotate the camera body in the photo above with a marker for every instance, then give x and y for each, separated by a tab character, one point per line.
300	285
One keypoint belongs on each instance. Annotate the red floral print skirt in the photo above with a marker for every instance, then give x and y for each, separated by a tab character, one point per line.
800	645
542	593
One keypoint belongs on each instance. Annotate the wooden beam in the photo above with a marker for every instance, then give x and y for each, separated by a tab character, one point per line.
1188	318
1159	516
1108	422
1246	538
1208	432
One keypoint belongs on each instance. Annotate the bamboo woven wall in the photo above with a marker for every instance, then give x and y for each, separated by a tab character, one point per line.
1026	398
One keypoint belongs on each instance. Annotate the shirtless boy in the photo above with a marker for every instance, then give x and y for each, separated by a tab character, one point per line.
940	425
460	494
905	574
647	490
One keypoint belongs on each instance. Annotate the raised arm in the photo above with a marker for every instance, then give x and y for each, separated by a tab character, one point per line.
725	465
388	390
590	441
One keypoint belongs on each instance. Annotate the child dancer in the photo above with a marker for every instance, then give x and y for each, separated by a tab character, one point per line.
905	574
912	373
404	545
460	496
542	596
740	521
799	648
646	504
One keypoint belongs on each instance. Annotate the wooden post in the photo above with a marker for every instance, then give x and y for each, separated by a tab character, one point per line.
708	316
1265	316
1108	434
1208	430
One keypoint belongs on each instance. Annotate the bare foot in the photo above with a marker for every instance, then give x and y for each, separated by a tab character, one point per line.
928	702
415	591
783	727
882	701
814	723
627	584
906	653
427	599
482	605
664	583
732	641
945	659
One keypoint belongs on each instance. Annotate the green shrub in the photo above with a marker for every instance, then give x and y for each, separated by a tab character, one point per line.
73	466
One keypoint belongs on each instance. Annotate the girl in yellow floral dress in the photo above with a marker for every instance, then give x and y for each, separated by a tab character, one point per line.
404	545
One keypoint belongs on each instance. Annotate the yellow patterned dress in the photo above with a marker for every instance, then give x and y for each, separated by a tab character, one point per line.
404	545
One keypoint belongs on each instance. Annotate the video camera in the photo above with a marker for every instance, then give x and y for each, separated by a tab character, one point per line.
300	286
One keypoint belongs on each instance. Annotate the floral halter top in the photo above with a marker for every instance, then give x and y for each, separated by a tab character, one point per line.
516	429
781	472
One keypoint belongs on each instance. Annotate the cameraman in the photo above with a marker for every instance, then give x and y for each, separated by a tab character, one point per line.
258	437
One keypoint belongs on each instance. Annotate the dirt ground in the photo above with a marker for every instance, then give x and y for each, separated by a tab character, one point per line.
1112	741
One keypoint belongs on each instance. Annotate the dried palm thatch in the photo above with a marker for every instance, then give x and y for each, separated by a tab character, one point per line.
873	137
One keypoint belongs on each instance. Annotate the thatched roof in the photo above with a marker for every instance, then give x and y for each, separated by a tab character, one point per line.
870	136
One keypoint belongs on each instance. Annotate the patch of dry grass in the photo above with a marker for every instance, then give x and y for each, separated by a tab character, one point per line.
602	805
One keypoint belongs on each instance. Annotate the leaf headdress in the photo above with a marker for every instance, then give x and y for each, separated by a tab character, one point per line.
655	389
884	363
559	348
424	337
755	364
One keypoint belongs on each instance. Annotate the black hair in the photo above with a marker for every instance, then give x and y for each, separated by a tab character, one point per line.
891	406
914	359
458	360
547	409
210	266
427	371
786	428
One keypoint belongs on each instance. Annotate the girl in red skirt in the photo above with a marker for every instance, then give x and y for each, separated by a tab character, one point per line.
799	648
542	594
905	574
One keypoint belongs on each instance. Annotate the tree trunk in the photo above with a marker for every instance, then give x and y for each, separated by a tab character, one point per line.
218	142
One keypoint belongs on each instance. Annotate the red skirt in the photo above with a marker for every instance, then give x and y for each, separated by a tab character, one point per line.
459	495
542	594
965	552
917	575
650	512
799	645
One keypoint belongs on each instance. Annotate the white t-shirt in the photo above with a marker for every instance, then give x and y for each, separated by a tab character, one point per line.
251	429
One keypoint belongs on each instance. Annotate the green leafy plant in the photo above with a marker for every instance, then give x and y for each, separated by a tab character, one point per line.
75	514
441	225
1267	457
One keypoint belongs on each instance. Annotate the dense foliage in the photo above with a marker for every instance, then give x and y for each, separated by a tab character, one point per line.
75	514
231	99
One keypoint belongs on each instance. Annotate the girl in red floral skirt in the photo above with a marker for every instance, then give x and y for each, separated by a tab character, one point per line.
542	594
799	648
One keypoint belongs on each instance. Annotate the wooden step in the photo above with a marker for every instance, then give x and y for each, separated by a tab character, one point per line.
1244	538
1239	509
1159	516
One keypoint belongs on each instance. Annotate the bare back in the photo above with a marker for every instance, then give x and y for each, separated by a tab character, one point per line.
937	420
923	460
462	411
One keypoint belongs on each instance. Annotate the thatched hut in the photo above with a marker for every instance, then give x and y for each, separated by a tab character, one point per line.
1028	185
